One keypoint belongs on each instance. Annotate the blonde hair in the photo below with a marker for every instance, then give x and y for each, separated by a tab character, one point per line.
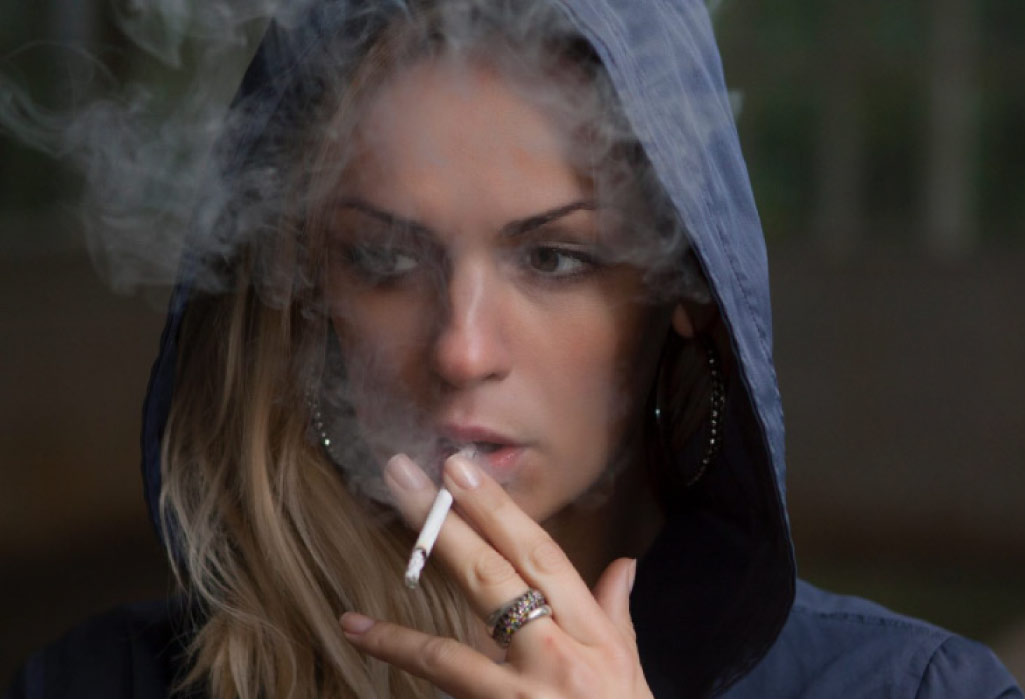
266	538
273	547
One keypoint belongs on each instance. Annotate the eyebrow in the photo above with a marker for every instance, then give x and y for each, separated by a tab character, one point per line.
516	227
382	215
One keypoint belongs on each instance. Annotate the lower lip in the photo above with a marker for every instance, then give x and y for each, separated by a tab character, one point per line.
503	463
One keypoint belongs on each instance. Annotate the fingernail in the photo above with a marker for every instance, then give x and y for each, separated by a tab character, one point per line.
406	473
633	575
355	624
463	471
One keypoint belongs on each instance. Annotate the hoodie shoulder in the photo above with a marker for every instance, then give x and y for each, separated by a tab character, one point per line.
130	651
843	646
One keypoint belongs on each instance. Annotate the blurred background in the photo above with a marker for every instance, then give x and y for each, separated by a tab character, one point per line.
886	149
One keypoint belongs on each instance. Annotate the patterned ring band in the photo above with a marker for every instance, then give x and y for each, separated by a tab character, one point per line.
512	616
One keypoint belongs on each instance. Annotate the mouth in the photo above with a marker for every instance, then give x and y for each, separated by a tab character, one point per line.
499	455
485	447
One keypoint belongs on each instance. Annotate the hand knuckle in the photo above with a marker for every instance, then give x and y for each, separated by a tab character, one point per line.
530	691
546	557
631	635
550	642
377	636
579	681
551	646
492	569
438	652
535	687
620	658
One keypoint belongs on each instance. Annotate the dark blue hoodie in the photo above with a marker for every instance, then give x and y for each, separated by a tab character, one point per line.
716	604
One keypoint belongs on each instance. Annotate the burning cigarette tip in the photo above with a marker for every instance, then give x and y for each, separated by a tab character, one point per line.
428	536
415	567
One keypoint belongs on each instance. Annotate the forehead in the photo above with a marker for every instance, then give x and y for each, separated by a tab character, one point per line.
447	138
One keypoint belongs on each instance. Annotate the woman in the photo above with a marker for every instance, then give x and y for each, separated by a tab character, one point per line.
525	229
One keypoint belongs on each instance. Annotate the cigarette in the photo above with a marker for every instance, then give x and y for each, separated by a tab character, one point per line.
428	536
432	527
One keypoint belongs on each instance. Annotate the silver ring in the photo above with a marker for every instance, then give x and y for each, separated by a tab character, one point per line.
543	611
509	618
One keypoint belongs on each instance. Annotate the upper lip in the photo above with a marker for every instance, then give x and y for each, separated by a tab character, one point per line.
464	433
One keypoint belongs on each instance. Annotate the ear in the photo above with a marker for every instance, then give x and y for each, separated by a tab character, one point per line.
682	323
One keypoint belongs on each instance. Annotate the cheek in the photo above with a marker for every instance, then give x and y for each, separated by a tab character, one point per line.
612	351
585	404
597	384
382	349
376	334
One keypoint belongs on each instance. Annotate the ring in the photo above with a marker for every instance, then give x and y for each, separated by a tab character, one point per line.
513	615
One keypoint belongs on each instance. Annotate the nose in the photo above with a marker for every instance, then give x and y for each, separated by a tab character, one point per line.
471	344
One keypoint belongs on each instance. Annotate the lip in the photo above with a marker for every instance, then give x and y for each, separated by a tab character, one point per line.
502	463
460	434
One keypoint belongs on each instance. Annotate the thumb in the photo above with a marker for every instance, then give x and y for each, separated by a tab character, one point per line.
613	594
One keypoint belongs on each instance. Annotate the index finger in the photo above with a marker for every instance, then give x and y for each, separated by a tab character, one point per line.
451	666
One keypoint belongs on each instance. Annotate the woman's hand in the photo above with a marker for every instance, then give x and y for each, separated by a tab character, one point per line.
495	553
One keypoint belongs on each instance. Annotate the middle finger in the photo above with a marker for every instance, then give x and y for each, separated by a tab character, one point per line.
488	579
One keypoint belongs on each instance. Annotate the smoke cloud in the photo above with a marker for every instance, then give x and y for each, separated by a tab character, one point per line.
196	179
142	147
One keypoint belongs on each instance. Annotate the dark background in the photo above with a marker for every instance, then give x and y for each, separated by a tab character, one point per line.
887	153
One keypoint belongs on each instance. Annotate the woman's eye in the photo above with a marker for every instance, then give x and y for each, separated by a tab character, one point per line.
381	263
558	262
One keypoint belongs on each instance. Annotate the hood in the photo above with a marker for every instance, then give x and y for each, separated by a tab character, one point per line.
713	592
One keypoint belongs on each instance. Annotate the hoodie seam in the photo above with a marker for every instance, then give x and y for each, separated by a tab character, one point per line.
928	665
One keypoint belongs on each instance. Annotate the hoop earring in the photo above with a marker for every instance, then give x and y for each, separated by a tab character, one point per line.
714	419
317	416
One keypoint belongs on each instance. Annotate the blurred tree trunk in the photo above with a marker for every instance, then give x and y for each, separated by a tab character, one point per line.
952	150
839	157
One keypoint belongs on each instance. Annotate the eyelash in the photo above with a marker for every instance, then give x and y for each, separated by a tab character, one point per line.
361	259
585	261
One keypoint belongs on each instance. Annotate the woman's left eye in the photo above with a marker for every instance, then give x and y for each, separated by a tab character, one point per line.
553	261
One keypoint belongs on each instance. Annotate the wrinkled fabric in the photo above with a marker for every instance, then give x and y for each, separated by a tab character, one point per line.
841	646
716	603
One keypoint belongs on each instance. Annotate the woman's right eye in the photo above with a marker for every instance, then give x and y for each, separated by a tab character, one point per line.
380	263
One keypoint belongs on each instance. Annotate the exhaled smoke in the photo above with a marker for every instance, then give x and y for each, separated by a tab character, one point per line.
143	147
164	27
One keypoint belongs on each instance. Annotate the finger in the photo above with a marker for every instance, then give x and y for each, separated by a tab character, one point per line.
453	667
485	576
413	491
613	594
526	545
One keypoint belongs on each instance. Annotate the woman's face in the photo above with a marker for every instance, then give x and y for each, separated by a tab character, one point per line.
472	285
